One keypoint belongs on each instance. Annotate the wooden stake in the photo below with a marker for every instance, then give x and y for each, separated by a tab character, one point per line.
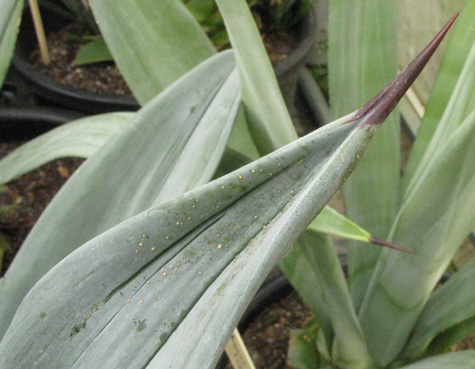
237	352
40	32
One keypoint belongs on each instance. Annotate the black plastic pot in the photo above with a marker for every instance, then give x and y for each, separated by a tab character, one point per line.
24	124
287	71
47	91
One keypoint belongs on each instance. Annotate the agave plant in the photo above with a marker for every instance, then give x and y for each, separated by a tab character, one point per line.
269	122
397	319
166	287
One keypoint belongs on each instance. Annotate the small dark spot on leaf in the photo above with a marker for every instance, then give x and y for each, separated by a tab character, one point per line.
140	325
77	328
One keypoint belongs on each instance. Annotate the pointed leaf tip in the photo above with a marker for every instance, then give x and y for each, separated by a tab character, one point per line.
377	241
378	108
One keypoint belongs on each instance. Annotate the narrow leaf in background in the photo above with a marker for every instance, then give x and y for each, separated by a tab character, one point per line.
455	57
10	17
433	220
269	121
452	305
362	59
157	42
80	138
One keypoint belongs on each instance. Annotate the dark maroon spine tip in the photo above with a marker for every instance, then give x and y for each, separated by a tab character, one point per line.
378	108
377	241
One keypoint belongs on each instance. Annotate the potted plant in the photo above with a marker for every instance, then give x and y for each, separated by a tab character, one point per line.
49	90
116	271
60	82
396	326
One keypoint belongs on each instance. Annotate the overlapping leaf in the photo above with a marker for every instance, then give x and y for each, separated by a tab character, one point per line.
9	23
447	317
140	167
80	138
323	286
168	286
362	58
270	123
156	43
454	360
435	216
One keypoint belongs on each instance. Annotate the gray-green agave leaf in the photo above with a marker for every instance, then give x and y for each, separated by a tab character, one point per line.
453	360
156	43
10	17
79	138
166	288
447	317
172	145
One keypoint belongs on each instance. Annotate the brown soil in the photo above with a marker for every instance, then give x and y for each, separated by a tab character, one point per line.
105	77
267	336
23	200
279	46
100	78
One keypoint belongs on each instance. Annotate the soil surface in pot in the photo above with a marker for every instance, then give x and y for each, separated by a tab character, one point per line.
267	336
100	78
23	200
105	77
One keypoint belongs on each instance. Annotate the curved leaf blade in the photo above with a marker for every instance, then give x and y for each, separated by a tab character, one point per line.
159	42
362	57
436	118
207	251
449	308
173	145
80	138
454	360
316	273
332	222
9	24
269	121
